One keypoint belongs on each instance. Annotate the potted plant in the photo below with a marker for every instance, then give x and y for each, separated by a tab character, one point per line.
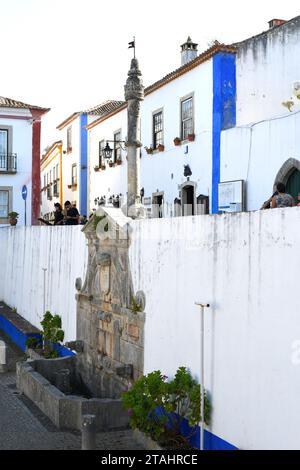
96	168
119	161
69	186
191	137
149	150
160	147
103	167
111	164
177	141
13	218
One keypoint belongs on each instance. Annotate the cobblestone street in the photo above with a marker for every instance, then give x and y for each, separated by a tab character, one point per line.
24	426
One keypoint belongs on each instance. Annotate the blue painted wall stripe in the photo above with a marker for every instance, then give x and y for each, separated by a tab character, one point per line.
83	163
17	336
224	112
20	338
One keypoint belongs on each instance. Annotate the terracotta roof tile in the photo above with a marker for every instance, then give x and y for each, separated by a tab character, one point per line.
104	108
10	103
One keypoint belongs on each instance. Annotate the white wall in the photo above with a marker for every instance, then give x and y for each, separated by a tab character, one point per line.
245	265
267	68
256	154
22	146
25	251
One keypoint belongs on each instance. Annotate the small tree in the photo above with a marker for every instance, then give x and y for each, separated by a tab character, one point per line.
52	333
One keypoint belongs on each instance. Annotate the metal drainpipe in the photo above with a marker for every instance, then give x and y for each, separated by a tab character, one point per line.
202	307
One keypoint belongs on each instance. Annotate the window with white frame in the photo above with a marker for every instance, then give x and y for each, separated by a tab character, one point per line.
158	136
4	203
69	139
117	146
187	117
101	147
74	175
3	141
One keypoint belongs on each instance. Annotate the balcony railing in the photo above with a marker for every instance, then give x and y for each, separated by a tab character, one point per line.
8	162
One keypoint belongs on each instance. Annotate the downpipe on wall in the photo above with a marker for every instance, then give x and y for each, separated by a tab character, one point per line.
202	336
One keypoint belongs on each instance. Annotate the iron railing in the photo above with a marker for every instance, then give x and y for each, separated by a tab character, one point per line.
8	162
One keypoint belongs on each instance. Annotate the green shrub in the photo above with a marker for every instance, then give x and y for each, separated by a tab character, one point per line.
52	333
178	399
33	343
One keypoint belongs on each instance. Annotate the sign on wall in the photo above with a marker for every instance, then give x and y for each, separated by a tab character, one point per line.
231	196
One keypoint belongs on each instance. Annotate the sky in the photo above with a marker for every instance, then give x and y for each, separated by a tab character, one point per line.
70	55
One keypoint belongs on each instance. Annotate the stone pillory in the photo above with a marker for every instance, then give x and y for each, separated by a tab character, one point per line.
134	94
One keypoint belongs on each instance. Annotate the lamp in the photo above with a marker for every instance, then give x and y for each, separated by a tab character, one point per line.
107	151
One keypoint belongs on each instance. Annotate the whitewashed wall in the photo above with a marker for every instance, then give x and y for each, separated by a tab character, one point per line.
257	153
267	67
246	266
25	251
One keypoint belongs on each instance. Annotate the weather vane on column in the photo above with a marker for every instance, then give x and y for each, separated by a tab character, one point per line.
131	45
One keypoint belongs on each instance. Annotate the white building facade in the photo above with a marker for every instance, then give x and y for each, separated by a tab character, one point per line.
181	120
20	131
264	147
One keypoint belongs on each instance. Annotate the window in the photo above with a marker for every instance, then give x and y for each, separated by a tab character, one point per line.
157	129
74	175
69	139
187	122
3	142
117	146
101	147
4	204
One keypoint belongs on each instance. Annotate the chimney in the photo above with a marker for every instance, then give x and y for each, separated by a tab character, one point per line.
189	51
275	22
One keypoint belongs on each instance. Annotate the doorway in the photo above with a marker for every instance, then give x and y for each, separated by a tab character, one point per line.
157	205
293	184
188	200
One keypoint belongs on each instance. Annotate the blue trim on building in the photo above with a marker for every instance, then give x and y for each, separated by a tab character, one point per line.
224	112
17	336
211	441
83	166
20	338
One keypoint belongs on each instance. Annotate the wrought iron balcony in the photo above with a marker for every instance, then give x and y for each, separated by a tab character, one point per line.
8	162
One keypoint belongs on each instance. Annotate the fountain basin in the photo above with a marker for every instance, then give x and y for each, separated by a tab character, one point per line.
39	381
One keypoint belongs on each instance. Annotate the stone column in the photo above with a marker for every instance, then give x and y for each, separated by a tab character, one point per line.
134	94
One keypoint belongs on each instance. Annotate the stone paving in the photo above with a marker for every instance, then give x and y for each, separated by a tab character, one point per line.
24	426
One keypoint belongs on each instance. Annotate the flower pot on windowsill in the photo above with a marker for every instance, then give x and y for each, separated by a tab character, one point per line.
191	137
161	148
13	218
96	168
119	161
111	164
177	141
149	150
103	167
69	186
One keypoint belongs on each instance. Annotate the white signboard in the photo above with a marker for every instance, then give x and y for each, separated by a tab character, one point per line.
231	196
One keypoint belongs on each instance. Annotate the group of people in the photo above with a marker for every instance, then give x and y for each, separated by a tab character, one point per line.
67	216
280	198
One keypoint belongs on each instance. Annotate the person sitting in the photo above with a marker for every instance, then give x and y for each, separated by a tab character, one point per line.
267	204
71	214
58	214
282	199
